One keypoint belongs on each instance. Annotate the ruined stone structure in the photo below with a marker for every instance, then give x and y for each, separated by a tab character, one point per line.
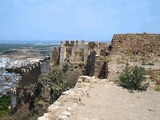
13	94
137	44
70	51
97	65
45	65
76	51
73	52
81	52
54	57
30	74
19	81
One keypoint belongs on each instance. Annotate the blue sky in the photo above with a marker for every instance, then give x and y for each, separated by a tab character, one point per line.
76	19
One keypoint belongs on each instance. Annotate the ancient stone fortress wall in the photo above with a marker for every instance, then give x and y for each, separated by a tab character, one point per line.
138	44
45	65
73	52
54	57
30	74
77	52
13	94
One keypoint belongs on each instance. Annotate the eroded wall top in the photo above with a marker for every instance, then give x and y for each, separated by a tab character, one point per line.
138	44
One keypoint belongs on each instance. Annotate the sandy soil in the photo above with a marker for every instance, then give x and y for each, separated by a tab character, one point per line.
107	101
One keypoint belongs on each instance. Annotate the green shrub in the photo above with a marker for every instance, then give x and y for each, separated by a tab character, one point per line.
132	78
4	104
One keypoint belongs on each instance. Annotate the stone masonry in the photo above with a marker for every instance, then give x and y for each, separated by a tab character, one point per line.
76	52
81	52
73	52
136	44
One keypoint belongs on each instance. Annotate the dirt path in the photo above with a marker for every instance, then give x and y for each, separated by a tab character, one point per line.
107	101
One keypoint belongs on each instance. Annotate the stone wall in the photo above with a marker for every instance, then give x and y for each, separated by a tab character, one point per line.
13	94
137	44
104	49
73	52
54	57
93	46
97	66
30	74
90	64
45	65
101	67
93	54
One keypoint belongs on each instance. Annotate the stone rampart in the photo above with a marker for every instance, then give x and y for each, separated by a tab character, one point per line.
30	73
71	51
136	44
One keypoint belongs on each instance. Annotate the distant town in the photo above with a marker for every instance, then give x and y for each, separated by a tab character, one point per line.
16	56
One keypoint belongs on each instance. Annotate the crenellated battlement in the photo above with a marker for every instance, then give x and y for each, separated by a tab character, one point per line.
75	51
72	42
30	67
30	73
13	91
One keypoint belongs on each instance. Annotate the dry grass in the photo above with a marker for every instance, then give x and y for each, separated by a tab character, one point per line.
154	75
157	88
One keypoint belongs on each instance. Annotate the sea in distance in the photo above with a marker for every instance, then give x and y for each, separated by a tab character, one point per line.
54	42
30	42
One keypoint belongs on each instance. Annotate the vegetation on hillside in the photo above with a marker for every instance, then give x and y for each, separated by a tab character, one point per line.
4	105
34	100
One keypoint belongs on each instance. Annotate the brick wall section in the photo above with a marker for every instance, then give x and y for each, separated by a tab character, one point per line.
139	44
